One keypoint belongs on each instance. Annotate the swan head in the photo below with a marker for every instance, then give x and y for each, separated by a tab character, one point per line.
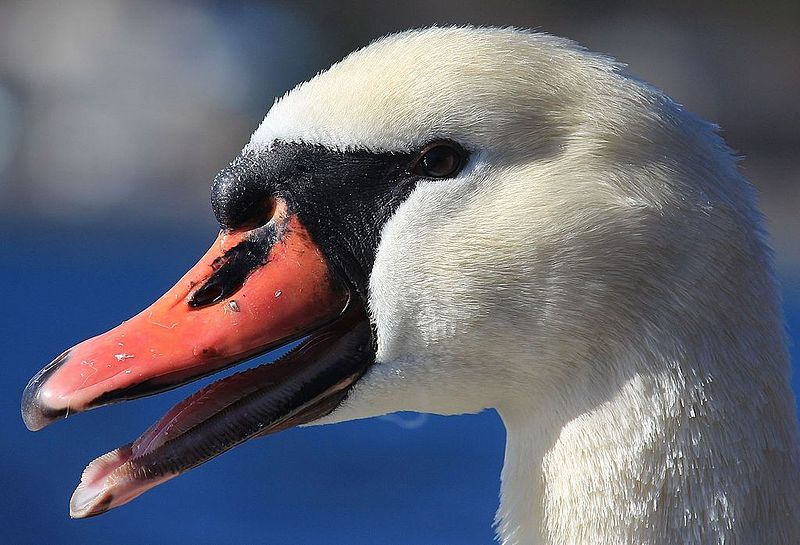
457	219
555	240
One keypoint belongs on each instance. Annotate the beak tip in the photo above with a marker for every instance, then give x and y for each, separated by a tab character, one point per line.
32	421
36	413
83	505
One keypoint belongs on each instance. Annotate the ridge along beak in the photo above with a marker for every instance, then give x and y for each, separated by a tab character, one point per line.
253	291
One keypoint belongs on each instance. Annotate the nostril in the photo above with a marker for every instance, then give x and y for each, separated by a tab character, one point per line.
212	292
229	277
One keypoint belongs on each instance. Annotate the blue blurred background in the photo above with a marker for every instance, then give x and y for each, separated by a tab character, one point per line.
114	117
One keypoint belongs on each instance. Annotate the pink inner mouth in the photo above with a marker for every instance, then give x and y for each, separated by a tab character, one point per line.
301	386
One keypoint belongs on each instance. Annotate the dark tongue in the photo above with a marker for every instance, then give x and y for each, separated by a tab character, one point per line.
301	386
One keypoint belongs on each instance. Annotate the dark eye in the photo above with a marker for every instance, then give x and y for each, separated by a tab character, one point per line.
440	160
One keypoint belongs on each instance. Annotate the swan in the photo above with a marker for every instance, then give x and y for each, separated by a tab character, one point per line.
454	219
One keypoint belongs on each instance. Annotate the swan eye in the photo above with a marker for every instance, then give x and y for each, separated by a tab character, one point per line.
440	160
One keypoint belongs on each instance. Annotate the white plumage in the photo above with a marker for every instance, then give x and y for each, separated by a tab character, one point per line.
598	274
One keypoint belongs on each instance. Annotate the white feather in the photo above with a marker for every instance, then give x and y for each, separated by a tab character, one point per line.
598	273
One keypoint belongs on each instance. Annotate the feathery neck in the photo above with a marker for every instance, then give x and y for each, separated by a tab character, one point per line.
691	440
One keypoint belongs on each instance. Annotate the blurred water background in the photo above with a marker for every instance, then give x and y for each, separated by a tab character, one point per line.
114	117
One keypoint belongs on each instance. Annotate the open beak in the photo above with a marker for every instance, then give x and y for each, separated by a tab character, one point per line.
253	291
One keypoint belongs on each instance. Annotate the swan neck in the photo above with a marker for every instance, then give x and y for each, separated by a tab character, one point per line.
698	449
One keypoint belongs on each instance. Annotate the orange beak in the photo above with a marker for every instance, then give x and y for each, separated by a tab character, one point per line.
176	339
253	291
